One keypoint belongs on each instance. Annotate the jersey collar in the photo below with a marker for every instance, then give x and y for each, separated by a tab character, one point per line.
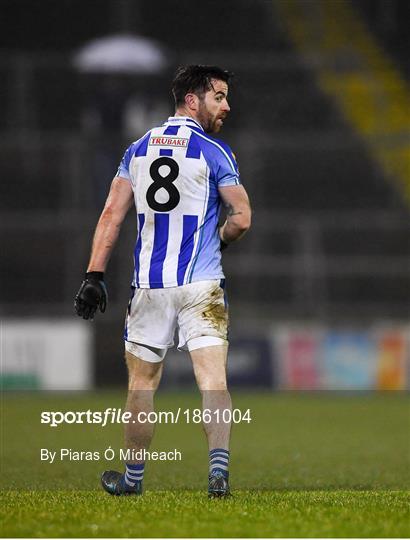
183	121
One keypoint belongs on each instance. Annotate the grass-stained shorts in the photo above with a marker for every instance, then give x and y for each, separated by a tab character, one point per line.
199	310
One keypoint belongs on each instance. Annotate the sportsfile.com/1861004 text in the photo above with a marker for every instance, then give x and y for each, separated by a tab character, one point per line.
118	416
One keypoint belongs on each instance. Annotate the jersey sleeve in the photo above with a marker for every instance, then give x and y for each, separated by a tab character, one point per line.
227	172
123	169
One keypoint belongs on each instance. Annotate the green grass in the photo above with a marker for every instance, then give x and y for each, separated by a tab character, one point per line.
309	465
187	513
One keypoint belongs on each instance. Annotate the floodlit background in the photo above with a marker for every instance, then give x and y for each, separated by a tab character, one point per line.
319	289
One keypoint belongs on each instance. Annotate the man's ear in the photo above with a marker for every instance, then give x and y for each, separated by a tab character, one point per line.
192	102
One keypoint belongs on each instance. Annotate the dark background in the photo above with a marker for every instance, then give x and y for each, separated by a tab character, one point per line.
330	235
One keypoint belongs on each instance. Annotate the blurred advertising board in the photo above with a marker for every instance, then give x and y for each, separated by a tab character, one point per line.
393	359
46	355
321	358
348	360
248	363
296	358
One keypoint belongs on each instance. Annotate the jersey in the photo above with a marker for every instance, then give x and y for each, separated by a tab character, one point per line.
175	171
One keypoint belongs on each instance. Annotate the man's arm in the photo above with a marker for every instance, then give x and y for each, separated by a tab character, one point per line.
118	202
93	292
238	219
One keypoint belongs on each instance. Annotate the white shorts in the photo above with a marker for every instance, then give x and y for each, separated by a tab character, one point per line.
199	310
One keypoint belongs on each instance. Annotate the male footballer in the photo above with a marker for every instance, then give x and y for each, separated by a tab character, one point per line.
177	175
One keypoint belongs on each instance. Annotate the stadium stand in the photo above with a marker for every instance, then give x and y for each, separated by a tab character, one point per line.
330	234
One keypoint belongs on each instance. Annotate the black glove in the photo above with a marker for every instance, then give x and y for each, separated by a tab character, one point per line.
92	295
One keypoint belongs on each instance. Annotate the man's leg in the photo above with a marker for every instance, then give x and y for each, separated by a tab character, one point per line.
143	380
210	371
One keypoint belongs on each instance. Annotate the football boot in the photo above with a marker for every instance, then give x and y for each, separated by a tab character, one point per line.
218	485
114	483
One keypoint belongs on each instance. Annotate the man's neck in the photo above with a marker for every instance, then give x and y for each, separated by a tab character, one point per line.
186	113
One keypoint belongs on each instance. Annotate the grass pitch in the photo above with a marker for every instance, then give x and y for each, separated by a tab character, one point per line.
312	465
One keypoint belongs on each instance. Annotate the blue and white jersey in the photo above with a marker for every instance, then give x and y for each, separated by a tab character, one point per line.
175	171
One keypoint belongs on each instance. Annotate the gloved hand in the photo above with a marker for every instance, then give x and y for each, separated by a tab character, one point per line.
92	295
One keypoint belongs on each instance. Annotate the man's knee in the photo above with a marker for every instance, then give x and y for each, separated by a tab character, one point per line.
208	384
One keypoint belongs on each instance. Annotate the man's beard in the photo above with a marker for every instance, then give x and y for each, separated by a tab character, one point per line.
207	121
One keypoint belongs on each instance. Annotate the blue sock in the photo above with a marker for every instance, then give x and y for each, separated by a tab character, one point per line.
133	473
219	461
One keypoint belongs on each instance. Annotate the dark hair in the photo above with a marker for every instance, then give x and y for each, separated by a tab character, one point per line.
196	79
